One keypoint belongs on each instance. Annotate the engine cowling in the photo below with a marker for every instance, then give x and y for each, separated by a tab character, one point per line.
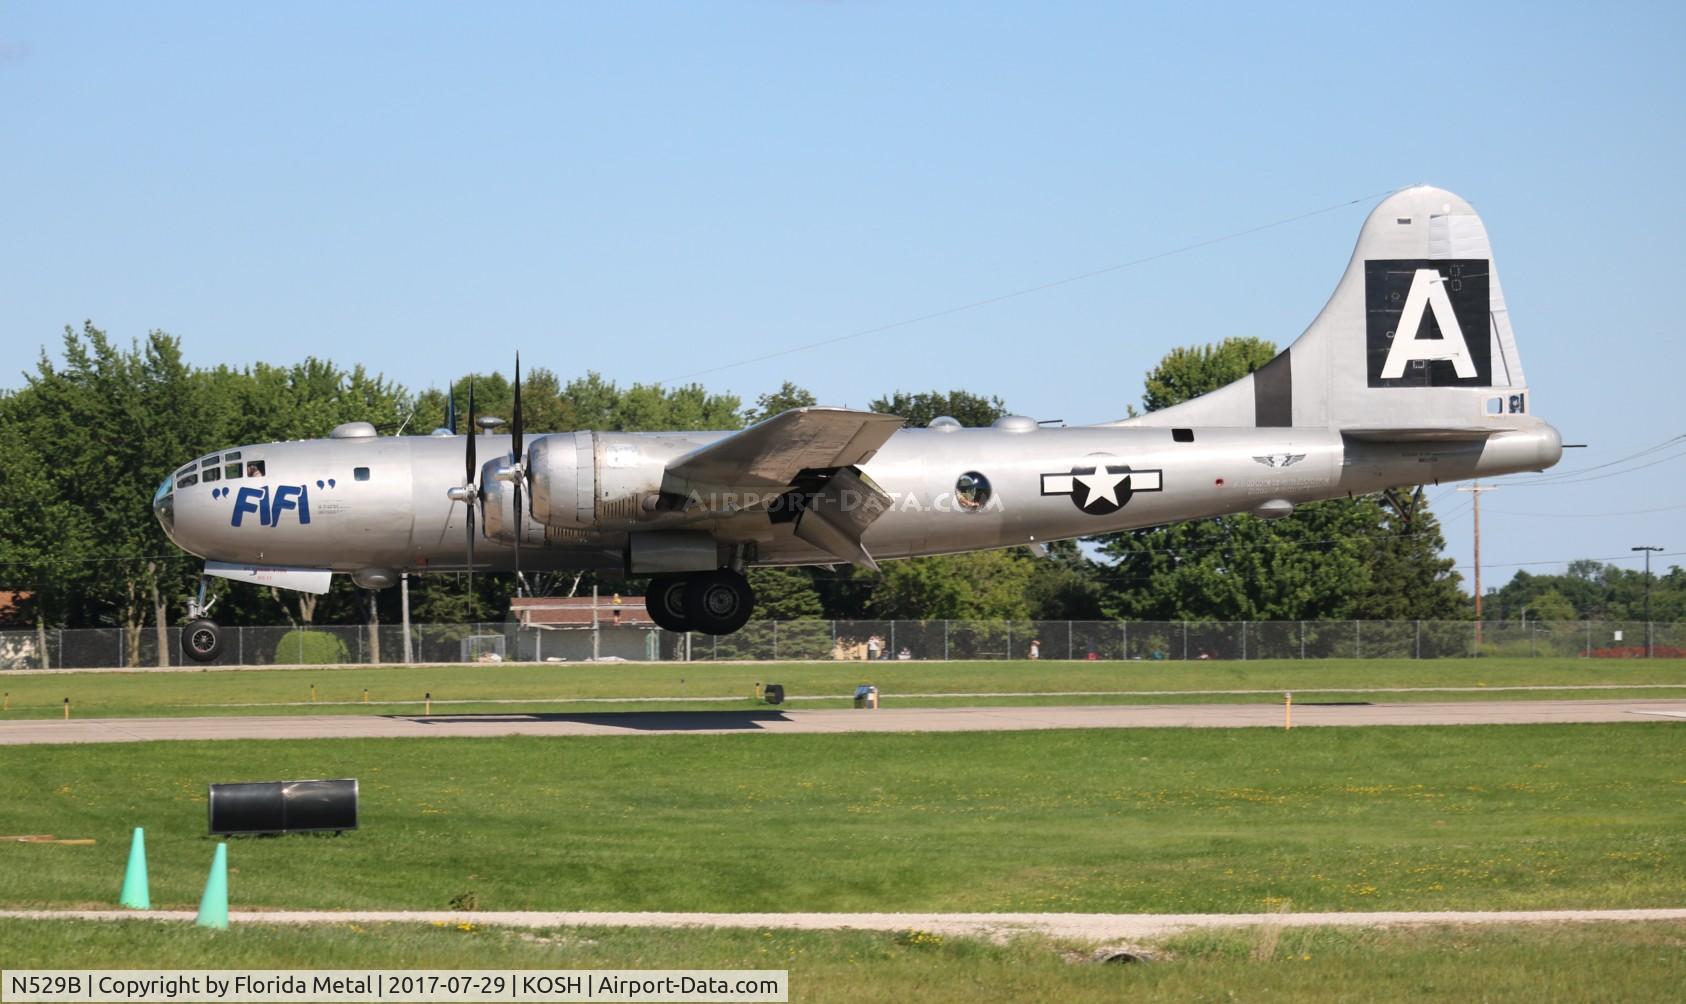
599	480
497	506
562	478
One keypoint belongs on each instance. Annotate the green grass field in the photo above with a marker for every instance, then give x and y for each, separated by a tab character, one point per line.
564	687
1480	817
1605	962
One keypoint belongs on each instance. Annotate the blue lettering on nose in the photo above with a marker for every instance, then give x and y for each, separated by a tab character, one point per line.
293	497
251	500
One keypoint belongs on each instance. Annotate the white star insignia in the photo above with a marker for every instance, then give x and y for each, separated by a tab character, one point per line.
1102	484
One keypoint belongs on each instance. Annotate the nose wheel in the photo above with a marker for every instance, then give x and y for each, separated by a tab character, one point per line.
201	639
717	603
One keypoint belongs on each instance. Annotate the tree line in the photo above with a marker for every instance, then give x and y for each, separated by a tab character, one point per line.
86	442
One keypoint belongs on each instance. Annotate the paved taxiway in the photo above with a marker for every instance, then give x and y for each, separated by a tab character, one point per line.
778	722
999	926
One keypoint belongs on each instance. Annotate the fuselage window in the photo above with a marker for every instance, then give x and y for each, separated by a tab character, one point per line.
211	474
254	469
187	479
360	473
971	491
231	471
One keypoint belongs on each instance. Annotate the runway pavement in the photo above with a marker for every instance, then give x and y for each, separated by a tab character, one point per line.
772	721
998	926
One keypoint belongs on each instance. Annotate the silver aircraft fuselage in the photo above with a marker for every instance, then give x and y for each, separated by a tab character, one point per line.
380	503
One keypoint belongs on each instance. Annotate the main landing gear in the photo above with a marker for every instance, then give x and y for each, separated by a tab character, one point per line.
717	602
201	640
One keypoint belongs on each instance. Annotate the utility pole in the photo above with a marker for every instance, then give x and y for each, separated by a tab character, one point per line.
404	614
1475	489
1647	551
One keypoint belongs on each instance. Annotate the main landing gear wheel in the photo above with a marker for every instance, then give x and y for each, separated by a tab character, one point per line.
718	602
201	641
665	600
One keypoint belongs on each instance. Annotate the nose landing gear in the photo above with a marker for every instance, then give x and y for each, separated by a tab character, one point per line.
201	639
716	603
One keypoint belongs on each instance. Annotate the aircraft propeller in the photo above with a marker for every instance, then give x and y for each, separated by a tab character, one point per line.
468	492
471	493
516	472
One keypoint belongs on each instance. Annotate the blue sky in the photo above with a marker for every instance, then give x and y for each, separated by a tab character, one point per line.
656	190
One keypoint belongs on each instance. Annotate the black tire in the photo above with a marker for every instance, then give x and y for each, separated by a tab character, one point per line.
718	602
665	600
201	641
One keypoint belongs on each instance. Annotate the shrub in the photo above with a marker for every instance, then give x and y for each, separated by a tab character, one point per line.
313	648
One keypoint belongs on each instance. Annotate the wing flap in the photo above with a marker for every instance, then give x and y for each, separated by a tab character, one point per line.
771	453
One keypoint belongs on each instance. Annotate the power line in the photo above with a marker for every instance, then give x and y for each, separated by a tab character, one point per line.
1068	280
1588	515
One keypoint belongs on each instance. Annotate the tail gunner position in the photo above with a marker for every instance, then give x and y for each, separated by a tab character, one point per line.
1409	375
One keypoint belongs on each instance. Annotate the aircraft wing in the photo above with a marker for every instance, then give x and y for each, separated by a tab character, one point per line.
770	453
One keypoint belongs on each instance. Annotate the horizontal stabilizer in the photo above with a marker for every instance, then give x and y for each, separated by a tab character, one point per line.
1449	434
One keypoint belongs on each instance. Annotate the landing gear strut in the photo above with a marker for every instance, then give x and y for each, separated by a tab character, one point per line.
717	602
201	640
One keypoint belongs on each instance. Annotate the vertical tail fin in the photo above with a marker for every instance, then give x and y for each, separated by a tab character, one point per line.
1415	340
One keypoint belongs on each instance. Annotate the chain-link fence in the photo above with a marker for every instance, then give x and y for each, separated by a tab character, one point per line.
885	639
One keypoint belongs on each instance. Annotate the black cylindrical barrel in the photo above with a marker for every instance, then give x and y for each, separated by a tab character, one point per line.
283	806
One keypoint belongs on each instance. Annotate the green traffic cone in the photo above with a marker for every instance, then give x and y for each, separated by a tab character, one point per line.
135	895
213	906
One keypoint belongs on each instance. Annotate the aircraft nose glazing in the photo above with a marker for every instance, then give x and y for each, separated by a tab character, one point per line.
164	507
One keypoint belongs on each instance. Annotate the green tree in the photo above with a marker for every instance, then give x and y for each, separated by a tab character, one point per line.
784	594
1550	606
1190	372
1335	559
921	409
983	585
788	396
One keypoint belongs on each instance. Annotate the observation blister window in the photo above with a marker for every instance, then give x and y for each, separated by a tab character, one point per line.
972	491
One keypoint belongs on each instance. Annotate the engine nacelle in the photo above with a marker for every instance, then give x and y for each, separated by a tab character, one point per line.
562	473
599	480
497	506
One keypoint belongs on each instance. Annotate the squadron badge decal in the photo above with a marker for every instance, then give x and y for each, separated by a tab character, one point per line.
1103	489
1280	459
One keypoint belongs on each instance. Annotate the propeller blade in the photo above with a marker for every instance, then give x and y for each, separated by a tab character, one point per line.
515	418
451	409
515	448
470	508
469	473
518	536
469	470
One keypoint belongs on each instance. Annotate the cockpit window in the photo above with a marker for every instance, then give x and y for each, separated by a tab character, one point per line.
231	455
232	471
186	480
210	461
254	469
211	474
